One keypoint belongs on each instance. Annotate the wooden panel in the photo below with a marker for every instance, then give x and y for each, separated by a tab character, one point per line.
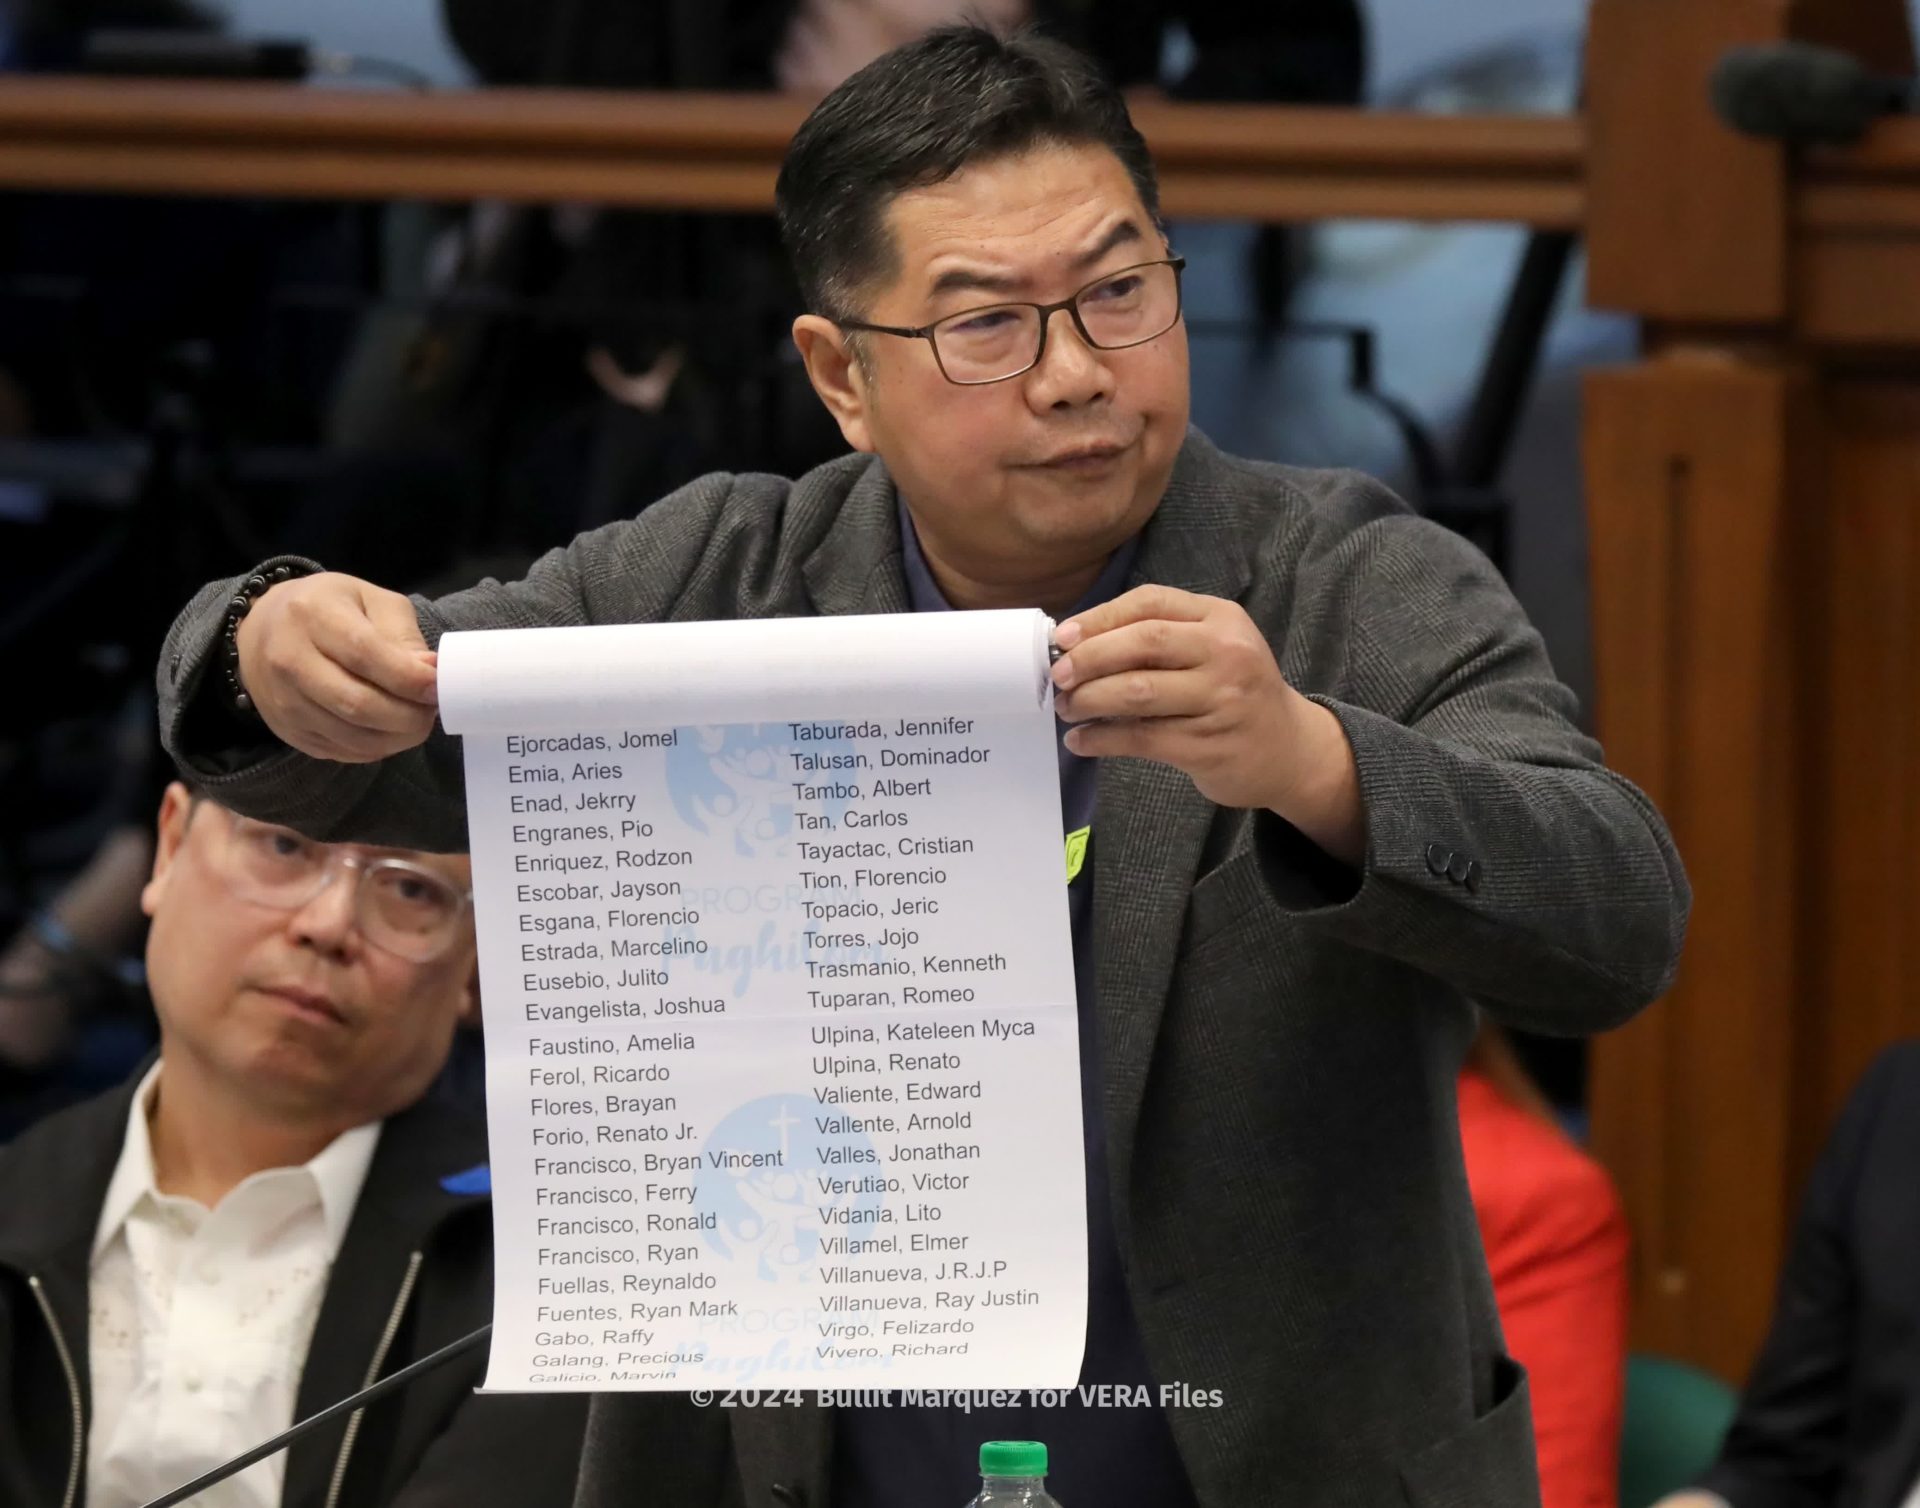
723	152
1752	533
1695	520
1861	291
1686	221
1856	249
1866	778
1881	34
1857	274
1868	186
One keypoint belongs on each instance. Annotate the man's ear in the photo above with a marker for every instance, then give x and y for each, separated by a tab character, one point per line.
176	811
837	377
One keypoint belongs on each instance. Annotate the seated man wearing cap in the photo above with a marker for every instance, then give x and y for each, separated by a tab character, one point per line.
275	1212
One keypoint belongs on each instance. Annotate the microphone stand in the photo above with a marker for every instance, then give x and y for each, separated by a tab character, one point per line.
347	1405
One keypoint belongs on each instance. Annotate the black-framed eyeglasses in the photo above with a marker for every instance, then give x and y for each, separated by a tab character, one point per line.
997	341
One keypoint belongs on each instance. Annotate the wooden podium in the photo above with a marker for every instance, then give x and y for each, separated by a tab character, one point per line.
1753	493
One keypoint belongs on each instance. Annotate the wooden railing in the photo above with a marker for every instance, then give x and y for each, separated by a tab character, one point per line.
722	152
1855	239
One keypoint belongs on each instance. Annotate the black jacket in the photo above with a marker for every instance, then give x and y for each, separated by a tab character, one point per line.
1831	1414
418	1257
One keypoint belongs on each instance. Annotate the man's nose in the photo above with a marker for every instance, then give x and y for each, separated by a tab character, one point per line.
1070	373
326	921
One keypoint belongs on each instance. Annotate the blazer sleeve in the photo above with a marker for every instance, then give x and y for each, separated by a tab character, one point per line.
1503	857
1787	1446
625	572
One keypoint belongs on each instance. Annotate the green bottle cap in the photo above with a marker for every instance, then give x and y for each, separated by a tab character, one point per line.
1013	1458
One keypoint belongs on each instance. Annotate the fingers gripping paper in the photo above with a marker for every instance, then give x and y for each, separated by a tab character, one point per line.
782	1060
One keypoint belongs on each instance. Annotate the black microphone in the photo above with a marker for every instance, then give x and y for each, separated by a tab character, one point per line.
1805	95
192	55
348	1405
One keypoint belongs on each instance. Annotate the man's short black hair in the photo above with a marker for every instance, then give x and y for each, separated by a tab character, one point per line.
957	96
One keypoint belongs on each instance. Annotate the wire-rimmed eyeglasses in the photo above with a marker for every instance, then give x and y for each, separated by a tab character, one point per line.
398	905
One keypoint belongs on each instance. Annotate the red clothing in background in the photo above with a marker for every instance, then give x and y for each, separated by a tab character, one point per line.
1556	1241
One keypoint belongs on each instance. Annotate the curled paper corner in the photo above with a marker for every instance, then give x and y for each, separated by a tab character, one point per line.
1045	627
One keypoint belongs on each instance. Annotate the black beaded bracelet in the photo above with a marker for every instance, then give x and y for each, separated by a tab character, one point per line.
242	604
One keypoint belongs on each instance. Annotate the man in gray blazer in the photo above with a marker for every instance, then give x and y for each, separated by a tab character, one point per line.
1336	794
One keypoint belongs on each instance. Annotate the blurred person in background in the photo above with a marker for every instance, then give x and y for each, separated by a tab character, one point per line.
273	1212
1830	1416
574	362
71	965
1558	1249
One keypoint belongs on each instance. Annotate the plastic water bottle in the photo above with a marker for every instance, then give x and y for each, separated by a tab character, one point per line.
1013	1474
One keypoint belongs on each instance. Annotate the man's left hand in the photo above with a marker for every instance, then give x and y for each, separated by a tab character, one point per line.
1163	674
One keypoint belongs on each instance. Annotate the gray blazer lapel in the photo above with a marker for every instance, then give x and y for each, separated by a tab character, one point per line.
856	567
1149	827
1151	824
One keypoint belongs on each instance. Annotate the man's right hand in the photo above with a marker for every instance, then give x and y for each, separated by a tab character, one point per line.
338	669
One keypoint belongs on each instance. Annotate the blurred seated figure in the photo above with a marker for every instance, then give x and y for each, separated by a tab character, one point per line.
274	1211
1557	1247
574	363
72	1000
1830	1414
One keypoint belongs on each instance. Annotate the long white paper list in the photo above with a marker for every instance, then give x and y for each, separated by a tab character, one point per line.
783	1068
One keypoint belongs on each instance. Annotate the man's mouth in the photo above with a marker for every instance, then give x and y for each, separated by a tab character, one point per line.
1081	457
307	1002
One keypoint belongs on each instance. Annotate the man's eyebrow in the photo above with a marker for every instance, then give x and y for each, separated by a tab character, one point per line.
415	856
1125	233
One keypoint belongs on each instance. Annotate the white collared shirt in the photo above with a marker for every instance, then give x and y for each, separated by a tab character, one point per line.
200	1319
